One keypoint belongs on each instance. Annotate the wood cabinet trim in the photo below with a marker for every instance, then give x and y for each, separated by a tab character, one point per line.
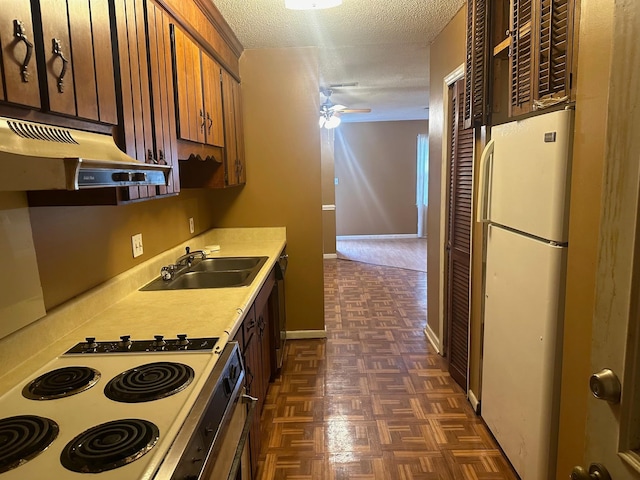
188	20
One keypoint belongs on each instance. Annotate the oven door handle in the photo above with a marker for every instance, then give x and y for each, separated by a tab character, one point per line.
237	457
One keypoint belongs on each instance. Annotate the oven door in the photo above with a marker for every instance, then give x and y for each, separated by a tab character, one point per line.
232	461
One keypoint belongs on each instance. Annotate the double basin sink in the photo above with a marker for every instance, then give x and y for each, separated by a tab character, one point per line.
215	272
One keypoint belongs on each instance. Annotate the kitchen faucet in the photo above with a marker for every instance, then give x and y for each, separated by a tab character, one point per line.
168	272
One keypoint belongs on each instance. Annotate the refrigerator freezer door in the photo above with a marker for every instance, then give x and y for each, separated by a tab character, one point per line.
530	168
521	351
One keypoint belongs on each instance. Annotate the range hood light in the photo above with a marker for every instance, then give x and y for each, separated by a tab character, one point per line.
311	4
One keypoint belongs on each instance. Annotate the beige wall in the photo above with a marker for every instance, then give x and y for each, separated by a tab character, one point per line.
80	247
375	163
328	192
594	68
447	54
283	170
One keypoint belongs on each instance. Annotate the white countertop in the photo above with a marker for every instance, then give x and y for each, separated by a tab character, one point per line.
117	307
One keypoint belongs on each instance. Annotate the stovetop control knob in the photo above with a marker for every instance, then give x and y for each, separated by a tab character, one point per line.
125	341
159	341
91	342
182	339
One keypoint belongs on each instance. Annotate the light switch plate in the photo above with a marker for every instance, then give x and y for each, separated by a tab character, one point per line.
136	245
192	227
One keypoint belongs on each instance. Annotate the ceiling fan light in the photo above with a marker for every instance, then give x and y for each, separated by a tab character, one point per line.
321	121
311	4
332	122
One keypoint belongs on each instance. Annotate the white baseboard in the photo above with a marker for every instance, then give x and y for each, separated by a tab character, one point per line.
330	256
473	400
304	334
433	338
377	237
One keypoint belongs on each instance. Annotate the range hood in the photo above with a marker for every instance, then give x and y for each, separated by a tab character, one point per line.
35	156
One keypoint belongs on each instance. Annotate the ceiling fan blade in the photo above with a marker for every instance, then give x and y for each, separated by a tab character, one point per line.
337	108
356	110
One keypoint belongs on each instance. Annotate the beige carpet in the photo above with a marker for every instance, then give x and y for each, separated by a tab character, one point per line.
409	253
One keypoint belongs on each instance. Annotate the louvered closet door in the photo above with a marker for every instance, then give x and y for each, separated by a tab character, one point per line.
459	239
476	87
522	56
556	18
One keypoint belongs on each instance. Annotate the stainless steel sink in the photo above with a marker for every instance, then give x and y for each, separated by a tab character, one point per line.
226	264
218	272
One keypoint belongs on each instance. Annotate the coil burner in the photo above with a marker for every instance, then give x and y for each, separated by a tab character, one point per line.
23	438
148	382
62	382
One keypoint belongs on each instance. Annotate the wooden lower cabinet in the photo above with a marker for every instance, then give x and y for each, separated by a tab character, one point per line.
255	345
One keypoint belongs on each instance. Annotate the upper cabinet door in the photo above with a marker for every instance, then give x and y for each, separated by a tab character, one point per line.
476	87
65	65
212	83
159	39
19	67
522	30
198	94
58	64
554	62
188	78
235	171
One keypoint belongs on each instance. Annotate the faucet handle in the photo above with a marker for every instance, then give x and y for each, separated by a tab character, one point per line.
187	250
167	272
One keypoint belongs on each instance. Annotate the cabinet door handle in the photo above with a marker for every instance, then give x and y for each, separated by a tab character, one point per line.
57	51
210	120
20	33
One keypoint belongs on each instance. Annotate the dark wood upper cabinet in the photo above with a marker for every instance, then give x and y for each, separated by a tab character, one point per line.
198	92
19	77
519	57
235	166
556	28
57	57
147	131
523	55
478	58
162	87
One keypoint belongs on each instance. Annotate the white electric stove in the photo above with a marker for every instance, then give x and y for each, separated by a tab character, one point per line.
108	410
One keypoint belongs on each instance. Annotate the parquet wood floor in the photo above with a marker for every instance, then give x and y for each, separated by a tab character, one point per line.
372	401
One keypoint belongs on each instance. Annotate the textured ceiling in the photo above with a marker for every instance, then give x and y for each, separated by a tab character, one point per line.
381	45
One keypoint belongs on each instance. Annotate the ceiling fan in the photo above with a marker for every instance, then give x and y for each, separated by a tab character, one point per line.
330	112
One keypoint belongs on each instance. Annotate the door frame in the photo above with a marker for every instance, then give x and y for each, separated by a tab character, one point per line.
439	340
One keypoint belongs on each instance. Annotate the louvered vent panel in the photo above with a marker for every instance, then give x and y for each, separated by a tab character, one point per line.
480	36
454	134
521	53
41	132
469	66
459	349
459	240
554	32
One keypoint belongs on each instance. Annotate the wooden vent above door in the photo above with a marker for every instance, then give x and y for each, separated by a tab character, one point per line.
521	56
554	41
476	87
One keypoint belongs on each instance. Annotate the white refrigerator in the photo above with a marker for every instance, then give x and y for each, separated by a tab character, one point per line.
524	200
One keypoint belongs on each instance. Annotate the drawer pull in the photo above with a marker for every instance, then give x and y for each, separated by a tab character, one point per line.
20	33
57	51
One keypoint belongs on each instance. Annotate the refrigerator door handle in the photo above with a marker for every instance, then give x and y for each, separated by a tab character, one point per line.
482	214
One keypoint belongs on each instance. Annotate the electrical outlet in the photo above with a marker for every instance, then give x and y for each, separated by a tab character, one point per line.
136	245
192	227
